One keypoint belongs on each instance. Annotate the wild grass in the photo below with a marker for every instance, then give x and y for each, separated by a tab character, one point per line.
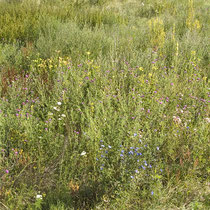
104	104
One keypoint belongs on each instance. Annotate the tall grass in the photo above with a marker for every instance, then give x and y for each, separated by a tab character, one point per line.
104	104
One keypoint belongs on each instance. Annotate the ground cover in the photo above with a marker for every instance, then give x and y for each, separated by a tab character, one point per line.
104	104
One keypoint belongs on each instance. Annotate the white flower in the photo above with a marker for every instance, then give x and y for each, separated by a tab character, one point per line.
38	196
50	113
207	120
63	115
83	153
59	103
56	108
177	119
59	118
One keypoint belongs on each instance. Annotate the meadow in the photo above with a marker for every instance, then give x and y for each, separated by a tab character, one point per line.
104	104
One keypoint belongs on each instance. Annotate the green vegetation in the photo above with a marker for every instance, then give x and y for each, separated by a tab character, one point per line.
104	104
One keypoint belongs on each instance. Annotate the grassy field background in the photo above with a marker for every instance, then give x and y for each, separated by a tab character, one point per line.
104	104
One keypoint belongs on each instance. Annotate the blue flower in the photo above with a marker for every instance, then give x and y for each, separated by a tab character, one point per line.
130	152
157	148
121	155
132	177
135	134
152	193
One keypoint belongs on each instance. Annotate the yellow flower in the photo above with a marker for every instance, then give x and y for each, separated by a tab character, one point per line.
65	62
204	78
193	52
88	53
141	69
154	68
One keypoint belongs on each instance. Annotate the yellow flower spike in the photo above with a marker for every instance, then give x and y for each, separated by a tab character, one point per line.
197	24
21	151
